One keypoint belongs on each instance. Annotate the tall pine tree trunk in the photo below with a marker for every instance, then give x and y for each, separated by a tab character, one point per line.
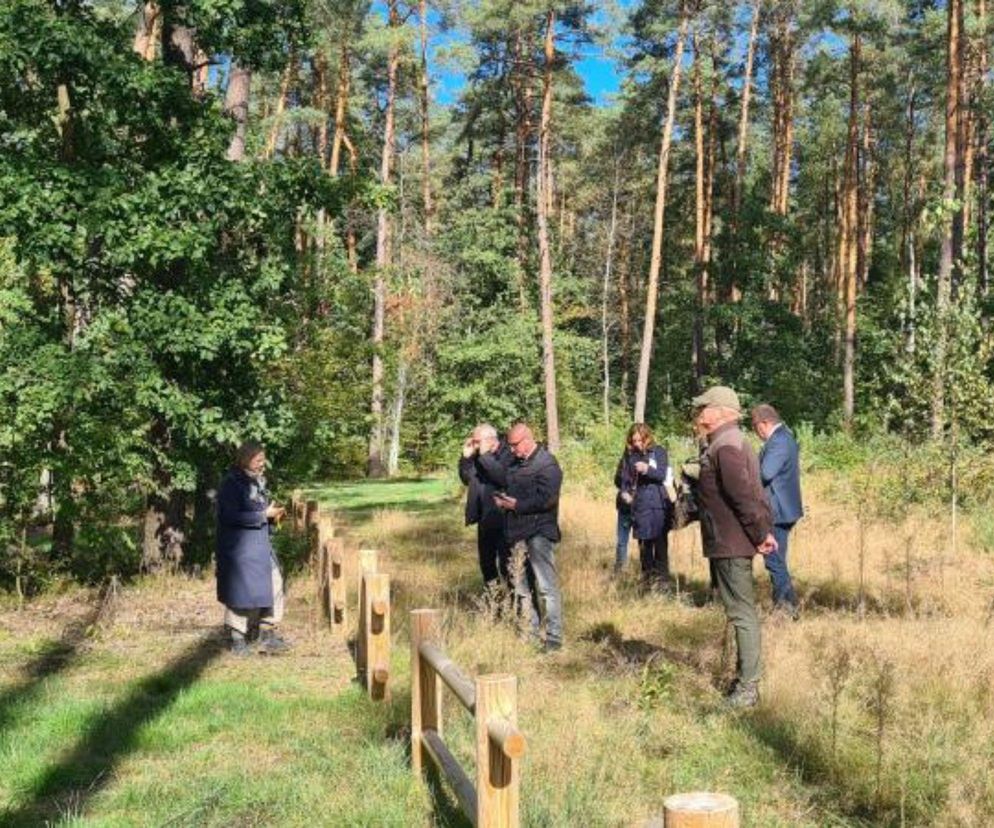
148	31
848	259
281	103
624	308
374	464
983	152
742	146
544	246
662	174
742	153
952	235
341	110
908	258
236	105
867	184
605	293
400	392
782	83
425	121
523	103
703	180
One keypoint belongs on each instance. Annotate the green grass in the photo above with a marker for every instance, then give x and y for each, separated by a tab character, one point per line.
138	728
148	722
358	500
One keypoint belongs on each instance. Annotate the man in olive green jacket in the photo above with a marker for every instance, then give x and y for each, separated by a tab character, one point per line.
736	524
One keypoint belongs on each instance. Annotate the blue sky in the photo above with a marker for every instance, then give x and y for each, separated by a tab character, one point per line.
599	71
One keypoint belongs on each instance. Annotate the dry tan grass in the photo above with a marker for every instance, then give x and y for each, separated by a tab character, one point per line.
936	711
630	711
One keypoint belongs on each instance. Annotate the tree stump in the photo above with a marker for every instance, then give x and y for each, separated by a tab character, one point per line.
700	810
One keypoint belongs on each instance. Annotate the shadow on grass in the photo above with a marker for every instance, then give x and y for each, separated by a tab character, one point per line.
625	655
67	786
804	759
54	657
446	810
837	596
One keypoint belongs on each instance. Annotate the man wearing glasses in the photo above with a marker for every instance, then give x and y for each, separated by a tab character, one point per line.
531	505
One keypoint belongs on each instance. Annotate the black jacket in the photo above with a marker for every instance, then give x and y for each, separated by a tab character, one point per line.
484	475
651	508
534	483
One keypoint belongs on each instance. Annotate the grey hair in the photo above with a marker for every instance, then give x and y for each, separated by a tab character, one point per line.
485	431
766	413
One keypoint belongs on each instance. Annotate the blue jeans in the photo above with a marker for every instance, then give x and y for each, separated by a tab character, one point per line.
624	532
776	565
537	588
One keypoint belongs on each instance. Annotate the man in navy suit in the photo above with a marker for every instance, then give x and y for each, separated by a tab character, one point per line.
779	468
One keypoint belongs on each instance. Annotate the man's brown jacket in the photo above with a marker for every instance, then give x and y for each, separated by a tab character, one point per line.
735	517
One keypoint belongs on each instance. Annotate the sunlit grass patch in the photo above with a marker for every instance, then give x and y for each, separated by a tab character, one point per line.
361	499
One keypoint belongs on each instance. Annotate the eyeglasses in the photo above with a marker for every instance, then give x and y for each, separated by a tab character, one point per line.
515	443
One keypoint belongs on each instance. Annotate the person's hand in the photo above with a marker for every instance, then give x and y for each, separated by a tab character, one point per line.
768	546
274	512
505	502
641	467
469	447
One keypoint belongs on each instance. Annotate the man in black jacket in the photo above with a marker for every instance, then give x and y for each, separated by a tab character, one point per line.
531	505
483	468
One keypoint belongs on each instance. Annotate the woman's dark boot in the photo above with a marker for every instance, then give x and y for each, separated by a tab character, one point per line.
240	645
270	642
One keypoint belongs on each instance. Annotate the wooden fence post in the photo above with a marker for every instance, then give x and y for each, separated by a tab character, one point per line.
426	684
377	635
498	748
335	548
700	810
312	510
325	532
312	515
367	564
295	501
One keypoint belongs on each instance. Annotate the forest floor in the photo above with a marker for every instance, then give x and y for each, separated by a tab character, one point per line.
129	711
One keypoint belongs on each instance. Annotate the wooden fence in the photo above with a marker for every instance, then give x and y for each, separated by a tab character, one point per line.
328	561
493	702
494	801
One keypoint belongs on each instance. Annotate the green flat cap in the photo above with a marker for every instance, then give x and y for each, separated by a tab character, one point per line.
718	396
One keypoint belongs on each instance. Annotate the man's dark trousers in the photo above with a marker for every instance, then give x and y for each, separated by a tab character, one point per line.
492	546
537	588
776	565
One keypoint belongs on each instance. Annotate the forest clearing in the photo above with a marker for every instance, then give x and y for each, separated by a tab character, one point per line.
144	720
733	257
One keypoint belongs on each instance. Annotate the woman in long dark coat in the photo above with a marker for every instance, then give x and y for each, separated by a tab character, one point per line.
647	466
249	582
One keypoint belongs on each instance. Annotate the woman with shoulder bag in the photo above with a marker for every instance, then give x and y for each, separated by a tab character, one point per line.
651	508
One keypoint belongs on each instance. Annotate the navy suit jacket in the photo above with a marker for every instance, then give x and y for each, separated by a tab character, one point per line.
780	469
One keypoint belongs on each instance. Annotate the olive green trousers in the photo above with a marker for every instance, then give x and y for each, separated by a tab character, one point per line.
738	595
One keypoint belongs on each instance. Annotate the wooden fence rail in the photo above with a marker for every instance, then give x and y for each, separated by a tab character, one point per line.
494	801
328	563
493	702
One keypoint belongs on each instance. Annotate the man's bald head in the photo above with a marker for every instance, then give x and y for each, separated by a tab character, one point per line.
521	440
